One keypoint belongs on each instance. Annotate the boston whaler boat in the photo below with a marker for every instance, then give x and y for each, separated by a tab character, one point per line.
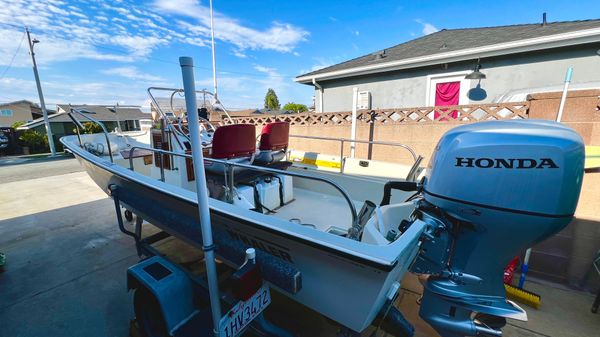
491	190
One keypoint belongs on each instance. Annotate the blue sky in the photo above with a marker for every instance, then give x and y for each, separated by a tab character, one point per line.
102	52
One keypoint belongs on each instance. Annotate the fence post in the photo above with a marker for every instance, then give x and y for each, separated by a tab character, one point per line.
353	132
372	116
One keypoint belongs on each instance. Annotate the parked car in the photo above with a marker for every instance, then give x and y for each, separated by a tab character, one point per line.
4	142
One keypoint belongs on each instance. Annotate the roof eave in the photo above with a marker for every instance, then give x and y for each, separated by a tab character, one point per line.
526	45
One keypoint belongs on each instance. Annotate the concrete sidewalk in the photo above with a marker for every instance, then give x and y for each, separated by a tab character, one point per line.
66	264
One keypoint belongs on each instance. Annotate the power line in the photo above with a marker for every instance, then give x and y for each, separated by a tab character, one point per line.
13	57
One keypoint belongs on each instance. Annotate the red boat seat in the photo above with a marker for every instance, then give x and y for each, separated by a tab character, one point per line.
234	141
274	141
275	136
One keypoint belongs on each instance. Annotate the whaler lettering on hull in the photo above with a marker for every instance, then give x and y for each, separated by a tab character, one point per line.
262	245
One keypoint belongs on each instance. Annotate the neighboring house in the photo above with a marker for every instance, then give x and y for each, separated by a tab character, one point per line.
61	125
431	70
19	111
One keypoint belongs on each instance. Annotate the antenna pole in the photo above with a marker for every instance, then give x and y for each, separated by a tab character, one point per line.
214	61
40	94
187	71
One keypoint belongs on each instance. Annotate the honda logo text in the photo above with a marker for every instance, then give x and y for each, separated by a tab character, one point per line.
512	163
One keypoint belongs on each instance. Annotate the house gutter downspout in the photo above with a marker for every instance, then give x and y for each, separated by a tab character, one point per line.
317	85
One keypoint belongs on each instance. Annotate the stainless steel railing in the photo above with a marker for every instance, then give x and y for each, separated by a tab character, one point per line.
78	125
229	166
166	119
342	141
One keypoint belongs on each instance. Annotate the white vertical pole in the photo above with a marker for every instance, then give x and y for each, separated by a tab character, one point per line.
563	99
41	95
187	71
353	132
212	37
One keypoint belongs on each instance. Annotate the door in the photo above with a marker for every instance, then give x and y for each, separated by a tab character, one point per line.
447	93
447	89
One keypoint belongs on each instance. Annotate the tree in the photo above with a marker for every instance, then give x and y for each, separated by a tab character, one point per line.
36	141
271	100
17	124
89	128
295	107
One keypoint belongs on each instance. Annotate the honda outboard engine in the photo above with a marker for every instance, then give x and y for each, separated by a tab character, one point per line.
492	190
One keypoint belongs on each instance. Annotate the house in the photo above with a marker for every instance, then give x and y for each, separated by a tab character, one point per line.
440	68
19	111
127	117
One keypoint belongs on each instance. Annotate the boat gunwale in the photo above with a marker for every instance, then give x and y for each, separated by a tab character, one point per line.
384	257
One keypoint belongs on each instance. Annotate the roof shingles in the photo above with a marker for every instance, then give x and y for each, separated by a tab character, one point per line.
448	40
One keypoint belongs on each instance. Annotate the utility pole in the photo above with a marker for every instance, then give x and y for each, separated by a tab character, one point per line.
214	62
39	89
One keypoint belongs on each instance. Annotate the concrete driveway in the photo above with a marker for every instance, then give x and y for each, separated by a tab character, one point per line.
66	263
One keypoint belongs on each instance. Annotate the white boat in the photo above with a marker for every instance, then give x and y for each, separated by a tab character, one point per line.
303	221
312	243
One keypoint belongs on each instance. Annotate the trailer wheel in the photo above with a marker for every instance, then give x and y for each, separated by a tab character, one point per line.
128	215
148	314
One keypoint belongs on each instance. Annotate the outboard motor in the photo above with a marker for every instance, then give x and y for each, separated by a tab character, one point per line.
492	190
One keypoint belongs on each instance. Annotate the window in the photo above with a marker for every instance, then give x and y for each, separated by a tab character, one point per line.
6	112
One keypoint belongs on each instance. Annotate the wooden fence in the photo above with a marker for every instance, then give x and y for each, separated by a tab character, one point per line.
460	113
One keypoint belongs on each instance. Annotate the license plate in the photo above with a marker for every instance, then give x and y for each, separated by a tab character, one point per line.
236	319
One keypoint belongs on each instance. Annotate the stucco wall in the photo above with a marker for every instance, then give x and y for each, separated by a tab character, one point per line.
21	112
519	71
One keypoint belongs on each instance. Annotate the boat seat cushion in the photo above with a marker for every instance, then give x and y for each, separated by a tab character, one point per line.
267	157
273	144
234	141
275	136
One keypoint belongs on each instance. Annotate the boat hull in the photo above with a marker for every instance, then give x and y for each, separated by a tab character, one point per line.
340	284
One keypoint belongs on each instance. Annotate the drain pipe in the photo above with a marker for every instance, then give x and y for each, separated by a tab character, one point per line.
317	85
563	98
187	71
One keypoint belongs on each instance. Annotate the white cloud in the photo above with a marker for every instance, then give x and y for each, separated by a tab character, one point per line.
280	37
240	54
428	28
132	73
73	91
271	72
78	14
135	33
50	49
138	45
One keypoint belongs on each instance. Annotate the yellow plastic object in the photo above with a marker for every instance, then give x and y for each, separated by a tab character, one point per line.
592	157
523	296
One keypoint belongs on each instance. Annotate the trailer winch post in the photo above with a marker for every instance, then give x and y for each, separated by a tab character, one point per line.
189	87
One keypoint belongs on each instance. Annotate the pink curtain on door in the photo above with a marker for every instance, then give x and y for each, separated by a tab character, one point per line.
447	94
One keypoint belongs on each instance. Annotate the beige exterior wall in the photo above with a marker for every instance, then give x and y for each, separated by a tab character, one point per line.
565	257
20	112
409	88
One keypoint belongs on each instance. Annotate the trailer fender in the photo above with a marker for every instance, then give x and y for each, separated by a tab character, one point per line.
170	286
